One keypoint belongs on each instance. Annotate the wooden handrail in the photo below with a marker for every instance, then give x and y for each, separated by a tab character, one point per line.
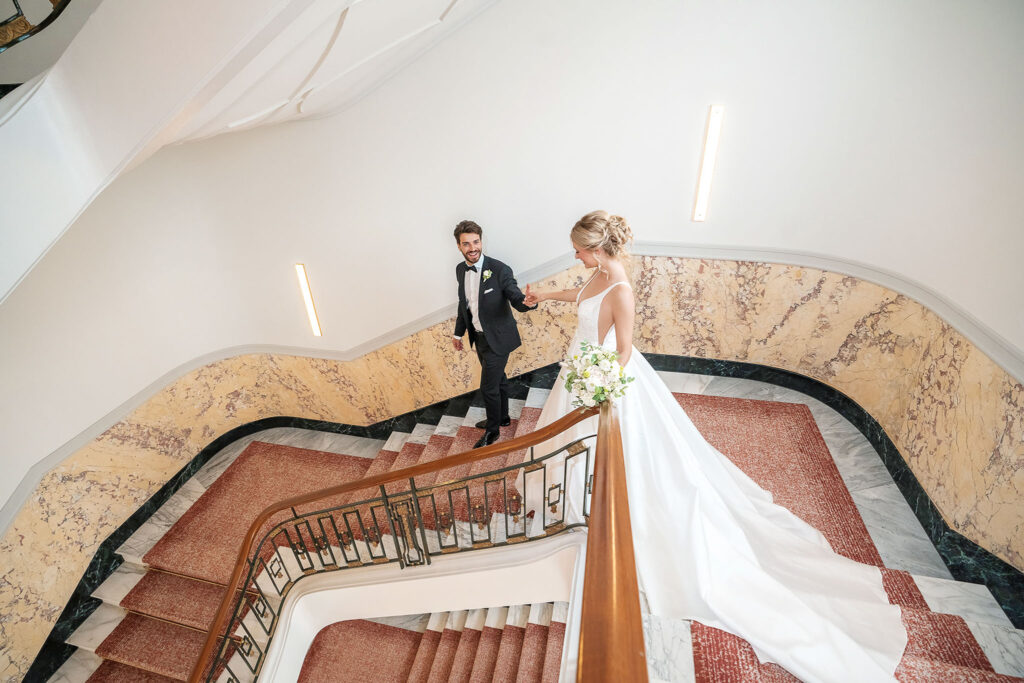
611	628
525	441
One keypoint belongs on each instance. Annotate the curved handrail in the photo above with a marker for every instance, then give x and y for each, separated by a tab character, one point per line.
464	458
611	627
50	18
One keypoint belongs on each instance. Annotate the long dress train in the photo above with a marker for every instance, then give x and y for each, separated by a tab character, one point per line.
712	546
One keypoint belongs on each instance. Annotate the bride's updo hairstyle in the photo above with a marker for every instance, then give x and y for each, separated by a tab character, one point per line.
601	230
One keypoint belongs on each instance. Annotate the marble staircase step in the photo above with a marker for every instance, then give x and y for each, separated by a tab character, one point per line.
96	627
535	640
918	670
78	667
429	641
490	642
444	655
1003	645
974	602
507	662
115	672
944	638
153	645
469	641
555	644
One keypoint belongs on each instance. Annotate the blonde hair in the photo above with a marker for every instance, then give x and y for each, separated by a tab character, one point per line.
601	230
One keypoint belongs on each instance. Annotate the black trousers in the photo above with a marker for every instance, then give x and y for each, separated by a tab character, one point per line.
493	382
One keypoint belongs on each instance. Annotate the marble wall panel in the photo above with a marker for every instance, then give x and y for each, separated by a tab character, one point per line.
956	417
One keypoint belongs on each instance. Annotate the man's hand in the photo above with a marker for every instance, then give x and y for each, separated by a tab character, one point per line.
457	343
531	297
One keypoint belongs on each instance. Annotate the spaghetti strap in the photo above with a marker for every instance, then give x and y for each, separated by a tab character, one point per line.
580	293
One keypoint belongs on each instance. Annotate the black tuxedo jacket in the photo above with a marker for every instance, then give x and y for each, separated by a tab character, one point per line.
498	294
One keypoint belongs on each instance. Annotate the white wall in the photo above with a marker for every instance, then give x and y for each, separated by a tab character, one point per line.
884	133
25	60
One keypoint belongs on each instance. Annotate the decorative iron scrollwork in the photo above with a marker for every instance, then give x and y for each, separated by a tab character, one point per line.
245	647
554	497
276	567
515	506
406	524
479	516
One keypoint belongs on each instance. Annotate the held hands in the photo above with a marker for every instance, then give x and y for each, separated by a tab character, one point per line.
532	298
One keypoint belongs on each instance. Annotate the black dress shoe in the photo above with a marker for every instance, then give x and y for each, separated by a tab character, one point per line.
487	439
505	422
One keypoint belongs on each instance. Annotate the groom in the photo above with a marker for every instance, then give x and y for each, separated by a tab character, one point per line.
486	288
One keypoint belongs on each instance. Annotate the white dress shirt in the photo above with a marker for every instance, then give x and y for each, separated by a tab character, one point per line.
471	284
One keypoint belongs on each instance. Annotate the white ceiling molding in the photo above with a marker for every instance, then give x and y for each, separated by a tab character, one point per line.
1002	352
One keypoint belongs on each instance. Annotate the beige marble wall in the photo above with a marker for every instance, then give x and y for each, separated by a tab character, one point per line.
956	417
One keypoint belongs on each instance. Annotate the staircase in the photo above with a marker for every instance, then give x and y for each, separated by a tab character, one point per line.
159	604
520	643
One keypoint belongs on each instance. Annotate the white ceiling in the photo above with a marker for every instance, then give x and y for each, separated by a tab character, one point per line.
327	59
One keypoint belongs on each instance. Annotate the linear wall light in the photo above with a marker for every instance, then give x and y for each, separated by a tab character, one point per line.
307	296
707	165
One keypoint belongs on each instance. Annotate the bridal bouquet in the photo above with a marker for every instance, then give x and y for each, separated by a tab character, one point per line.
595	376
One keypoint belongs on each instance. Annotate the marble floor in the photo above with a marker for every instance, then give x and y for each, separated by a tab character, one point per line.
899	537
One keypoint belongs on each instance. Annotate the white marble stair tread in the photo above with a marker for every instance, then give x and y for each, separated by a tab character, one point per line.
395	441
410	622
421	433
1004	646
515	408
120	583
474	415
972	601
97	626
536	397
540	614
475	619
457	620
77	669
448	425
437	621
518	615
328	442
496	618
669	649
560	612
897	534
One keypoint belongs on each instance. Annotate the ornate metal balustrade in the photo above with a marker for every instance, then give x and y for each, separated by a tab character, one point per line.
408	517
16	27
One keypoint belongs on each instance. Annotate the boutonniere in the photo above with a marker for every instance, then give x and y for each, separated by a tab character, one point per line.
486	274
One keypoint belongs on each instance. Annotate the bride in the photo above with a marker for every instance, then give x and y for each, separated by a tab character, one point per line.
710	544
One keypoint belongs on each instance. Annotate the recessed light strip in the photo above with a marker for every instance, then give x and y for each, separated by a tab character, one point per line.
707	166
307	296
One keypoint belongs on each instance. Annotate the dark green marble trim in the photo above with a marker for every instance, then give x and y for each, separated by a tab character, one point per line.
966	560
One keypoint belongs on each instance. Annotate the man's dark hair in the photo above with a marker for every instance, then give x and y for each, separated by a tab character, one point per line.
468	226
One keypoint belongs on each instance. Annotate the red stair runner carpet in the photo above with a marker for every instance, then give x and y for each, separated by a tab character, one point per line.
159	594
115	672
779	446
360	650
157	646
553	652
462	665
204	542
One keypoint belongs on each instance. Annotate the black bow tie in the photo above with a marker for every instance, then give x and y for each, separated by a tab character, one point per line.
473	268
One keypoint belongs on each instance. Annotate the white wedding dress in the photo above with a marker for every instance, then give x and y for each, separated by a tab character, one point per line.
712	546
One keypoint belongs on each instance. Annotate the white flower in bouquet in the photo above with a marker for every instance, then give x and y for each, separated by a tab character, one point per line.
594	376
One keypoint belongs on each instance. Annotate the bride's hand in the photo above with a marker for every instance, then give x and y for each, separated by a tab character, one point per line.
532	298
